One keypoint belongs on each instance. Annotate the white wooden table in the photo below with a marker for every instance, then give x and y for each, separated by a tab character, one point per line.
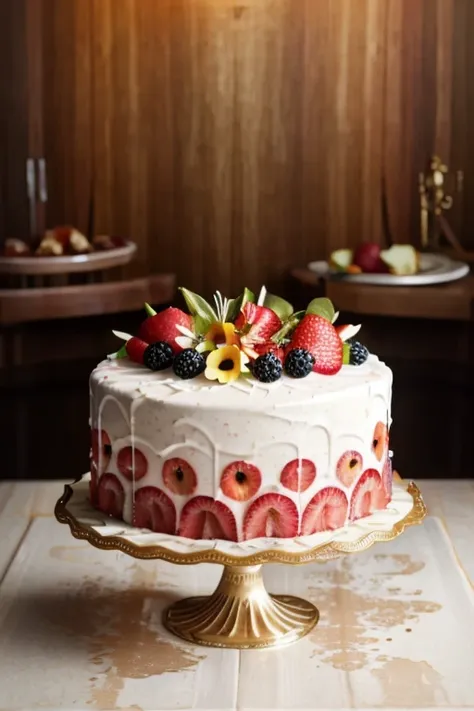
81	628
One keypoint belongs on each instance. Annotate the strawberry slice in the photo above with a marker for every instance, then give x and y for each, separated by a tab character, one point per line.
271	516
240	480
110	495
319	337
380	440
326	511
153	509
100	445
348	467
298	475
256	324
93	484
387	477
179	476
205	518
162	327
132	463
135	349
368	495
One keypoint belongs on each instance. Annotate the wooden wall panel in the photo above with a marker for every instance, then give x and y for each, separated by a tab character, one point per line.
66	110
234	140
14	143
462	119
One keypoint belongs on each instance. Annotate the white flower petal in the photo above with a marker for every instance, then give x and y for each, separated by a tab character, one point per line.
185	331
184	341
122	335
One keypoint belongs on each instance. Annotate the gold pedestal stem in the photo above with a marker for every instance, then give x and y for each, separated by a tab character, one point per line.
241	614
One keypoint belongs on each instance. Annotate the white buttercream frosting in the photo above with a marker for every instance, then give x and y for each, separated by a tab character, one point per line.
210	425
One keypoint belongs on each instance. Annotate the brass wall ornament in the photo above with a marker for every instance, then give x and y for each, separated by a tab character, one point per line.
436	186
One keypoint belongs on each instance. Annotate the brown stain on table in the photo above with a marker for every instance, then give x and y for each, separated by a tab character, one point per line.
396	676
403	564
121	629
355	622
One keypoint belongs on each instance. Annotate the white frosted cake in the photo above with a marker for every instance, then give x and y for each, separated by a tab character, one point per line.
240	421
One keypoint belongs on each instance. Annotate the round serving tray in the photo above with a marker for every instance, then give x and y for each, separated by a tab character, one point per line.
69	264
434	269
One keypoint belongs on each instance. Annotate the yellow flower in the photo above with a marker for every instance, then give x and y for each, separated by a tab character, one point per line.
225	364
223	333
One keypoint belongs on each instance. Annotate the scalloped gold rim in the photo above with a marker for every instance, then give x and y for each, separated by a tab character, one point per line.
322	552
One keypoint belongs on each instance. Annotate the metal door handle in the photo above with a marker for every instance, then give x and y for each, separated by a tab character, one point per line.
31	191
42	181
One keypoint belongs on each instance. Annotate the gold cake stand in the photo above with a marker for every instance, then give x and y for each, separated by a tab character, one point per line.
240	614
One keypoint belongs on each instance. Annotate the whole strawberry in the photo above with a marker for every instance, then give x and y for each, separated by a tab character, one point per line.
162	327
318	336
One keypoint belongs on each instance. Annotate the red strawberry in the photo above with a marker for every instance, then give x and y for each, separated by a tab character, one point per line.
326	511
368	495
318	336
100	444
110	495
380	440
257	325
179	476
162	327
348	467
298	475
205	518
135	349
153	509
240	481
269	347
271	516
132	463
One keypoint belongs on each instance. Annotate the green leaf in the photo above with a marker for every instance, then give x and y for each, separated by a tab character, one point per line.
346	353
205	346
282	308
288	327
321	307
235	305
149	310
203	313
122	353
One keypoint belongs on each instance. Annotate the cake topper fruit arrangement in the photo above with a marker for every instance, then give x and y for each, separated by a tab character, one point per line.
251	337
370	258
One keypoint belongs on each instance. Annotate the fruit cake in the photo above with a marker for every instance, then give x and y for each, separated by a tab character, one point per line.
241	419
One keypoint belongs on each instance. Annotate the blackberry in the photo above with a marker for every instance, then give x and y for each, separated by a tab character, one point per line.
188	364
267	368
158	356
299	363
359	353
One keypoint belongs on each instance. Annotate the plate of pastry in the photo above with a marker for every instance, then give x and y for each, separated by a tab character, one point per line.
400	265
65	249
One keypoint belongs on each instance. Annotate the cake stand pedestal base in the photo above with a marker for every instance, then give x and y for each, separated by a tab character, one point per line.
241	614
